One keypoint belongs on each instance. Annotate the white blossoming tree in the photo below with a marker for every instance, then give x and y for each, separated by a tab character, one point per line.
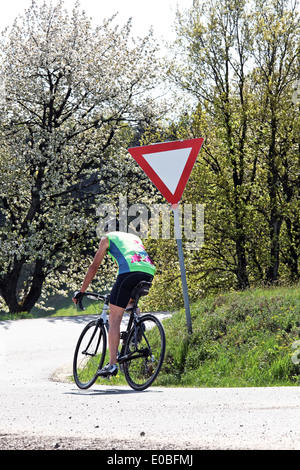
70	92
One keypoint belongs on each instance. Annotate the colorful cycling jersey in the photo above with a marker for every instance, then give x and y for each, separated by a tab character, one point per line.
129	253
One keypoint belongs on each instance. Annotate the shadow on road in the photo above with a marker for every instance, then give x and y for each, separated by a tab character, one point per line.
111	391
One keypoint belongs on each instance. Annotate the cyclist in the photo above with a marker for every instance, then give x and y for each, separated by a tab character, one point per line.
134	265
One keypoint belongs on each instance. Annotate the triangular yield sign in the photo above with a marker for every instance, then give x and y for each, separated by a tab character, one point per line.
168	165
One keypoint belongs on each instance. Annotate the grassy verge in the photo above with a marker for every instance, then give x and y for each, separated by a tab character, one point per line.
60	307
239	339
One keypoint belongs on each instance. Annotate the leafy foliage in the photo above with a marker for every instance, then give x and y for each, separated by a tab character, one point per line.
70	92
240	65
76	97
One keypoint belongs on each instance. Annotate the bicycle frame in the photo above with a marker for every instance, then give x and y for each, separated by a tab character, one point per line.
133	320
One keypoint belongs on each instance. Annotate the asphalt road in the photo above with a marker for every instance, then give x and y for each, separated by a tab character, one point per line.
37	402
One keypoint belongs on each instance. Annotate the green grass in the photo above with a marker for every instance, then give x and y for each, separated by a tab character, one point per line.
239	339
60	307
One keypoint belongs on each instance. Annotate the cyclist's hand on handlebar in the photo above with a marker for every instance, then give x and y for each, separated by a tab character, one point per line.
77	297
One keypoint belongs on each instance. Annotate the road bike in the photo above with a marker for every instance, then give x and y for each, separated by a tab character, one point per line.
142	346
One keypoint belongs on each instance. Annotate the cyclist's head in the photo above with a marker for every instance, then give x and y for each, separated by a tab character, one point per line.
111	225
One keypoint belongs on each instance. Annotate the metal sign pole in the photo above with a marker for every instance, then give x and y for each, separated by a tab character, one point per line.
178	236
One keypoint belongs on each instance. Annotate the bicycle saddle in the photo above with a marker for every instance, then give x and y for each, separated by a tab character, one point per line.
142	288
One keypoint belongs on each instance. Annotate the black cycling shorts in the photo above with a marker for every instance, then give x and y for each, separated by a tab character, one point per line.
125	283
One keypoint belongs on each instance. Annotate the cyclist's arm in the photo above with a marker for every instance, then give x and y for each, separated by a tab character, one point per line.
94	266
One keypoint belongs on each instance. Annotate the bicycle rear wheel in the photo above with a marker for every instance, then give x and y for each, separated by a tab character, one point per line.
146	344
89	354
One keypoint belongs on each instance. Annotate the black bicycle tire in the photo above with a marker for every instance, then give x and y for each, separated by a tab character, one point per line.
126	365
102	335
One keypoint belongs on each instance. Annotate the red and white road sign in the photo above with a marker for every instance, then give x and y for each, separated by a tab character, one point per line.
168	165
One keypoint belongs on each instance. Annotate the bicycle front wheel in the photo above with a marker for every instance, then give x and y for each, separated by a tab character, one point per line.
145	345
89	354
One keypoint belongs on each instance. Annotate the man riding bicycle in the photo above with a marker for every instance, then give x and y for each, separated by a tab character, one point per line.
134	265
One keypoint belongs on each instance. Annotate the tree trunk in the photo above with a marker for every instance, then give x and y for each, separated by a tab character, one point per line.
273	267
10	286
36	286
241	270
292	257
276	218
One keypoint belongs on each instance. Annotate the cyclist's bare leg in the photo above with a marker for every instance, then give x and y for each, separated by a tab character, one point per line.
131	304
115	318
